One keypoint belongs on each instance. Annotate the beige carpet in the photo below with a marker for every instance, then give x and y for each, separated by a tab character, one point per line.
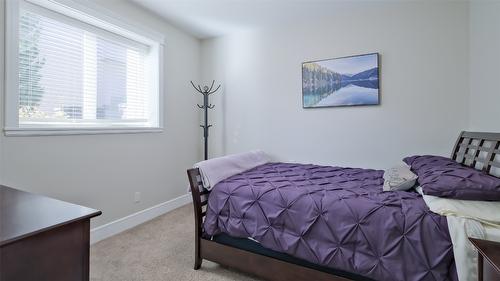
161	249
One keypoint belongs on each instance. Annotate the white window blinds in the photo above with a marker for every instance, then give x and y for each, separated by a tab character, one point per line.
74	74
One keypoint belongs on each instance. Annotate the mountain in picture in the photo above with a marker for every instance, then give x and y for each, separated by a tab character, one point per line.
370	74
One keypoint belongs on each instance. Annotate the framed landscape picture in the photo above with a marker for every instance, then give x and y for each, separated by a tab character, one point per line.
346	81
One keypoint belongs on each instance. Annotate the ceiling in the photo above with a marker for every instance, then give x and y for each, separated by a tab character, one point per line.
211	18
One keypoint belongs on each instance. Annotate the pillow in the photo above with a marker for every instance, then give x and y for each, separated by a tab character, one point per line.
485	212
426	162
399	178
215	170
443	177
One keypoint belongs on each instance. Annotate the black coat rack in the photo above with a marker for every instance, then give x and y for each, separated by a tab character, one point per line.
206	106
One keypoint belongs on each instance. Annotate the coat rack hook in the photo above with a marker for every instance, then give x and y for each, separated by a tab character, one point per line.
194	86
211	86
214	90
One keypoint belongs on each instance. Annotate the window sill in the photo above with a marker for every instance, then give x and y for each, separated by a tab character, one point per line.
21	132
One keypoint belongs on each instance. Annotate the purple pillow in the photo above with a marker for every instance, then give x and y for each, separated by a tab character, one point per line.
443	177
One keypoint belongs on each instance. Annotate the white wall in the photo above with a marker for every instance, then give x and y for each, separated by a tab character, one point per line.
104	171
485	66
424	84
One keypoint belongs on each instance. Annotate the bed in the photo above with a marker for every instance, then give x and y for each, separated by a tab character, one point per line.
313	222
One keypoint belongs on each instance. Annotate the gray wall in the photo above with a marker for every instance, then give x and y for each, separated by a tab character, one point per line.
485	65
424	51
104	171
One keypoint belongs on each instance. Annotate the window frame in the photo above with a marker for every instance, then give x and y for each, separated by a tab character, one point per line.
99	17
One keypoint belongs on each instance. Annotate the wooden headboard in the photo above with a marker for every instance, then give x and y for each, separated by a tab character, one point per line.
480	151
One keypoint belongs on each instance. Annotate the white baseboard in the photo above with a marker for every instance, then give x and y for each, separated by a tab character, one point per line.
107	230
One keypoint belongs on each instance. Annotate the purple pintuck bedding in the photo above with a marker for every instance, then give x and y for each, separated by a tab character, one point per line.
334	217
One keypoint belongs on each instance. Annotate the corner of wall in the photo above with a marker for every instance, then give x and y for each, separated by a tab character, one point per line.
468	63
212	68
2	83
98	174
484	58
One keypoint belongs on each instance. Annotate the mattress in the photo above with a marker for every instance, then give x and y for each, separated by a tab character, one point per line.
334	217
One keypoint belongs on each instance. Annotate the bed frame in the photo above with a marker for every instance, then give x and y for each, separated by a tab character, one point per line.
478	150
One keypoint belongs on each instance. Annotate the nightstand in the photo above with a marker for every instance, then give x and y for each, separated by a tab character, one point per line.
488	261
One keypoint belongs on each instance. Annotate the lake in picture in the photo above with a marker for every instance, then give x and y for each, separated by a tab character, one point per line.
341	82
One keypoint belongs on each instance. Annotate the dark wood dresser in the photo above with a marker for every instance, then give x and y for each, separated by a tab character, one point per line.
488	259
43	238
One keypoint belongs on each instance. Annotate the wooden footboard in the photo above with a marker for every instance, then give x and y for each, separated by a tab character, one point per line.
200	201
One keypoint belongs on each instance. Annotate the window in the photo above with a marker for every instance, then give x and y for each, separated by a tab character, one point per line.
77	73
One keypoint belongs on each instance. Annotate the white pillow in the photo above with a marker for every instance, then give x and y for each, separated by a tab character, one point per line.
487	212
399	178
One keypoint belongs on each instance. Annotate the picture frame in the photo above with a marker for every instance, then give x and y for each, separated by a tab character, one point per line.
344	81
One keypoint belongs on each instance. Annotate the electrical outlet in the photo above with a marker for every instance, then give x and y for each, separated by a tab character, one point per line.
137	197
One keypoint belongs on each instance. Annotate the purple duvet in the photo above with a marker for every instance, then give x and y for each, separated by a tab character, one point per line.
335	217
